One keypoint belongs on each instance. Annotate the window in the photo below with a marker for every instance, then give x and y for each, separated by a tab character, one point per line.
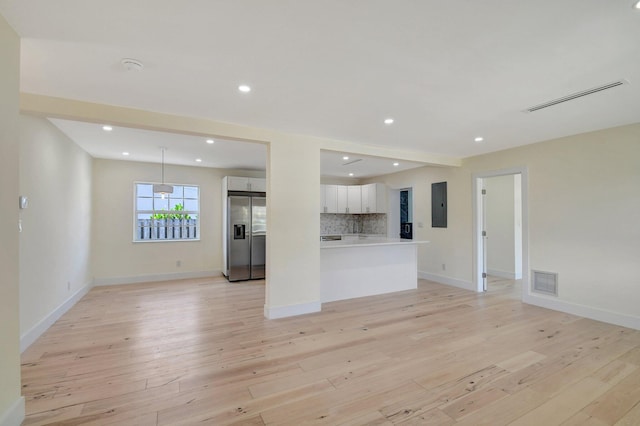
172	218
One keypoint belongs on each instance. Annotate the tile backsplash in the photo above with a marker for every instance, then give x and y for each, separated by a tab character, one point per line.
334	224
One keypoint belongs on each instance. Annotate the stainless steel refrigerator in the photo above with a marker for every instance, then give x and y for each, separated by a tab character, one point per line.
246	236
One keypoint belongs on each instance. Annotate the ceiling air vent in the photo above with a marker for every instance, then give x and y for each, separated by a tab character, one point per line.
545	282
577	95
352	161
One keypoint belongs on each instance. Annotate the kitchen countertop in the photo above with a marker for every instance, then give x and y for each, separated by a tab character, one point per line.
367	240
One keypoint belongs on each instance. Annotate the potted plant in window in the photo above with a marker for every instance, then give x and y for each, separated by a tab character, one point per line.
159	225
171	225
180	222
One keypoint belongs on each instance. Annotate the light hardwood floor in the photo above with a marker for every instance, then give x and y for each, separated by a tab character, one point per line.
200	352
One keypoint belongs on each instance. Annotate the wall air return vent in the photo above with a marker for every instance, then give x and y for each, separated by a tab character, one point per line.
577	95
544	282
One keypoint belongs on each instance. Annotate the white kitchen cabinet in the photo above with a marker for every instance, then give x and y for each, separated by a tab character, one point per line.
257	184
341	192
349	199
354	199
328	198
374	198
237	183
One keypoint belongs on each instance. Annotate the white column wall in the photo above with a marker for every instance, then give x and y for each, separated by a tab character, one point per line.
293	246
11	403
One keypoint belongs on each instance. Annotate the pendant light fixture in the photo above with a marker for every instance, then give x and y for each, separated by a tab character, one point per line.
162	188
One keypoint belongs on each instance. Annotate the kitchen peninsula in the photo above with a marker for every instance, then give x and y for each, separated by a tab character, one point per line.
359	265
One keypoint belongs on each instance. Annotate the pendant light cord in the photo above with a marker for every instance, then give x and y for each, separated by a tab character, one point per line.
163	165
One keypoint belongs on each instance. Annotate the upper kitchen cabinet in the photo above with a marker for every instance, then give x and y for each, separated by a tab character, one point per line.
349	199
374	198
258	184
237	183
354	199
328	198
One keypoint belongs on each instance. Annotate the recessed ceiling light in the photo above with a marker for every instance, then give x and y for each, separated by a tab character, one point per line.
637	5
346	157
210	141
396	164
244	88
125	153
198	160
107	128
350	174
479	139
388	121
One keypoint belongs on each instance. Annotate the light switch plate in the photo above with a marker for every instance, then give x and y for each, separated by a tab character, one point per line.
24	202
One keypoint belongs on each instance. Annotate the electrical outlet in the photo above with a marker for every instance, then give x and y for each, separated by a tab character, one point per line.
444	266
178	263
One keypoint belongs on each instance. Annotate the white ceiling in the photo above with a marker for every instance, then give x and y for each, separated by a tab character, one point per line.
446	71
145	145
360	166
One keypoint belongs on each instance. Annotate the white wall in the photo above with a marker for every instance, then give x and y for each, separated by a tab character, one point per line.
117	259
293	172
55	175
445	257
502	226
293	246
11	403
583	219
582	207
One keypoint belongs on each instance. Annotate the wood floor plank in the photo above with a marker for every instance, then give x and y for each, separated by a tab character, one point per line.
565	405
520	361
505	410
632	418
614	404
200	351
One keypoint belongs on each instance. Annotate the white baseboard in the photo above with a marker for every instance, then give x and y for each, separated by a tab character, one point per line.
583	311
275	312
467	285
155	277
14	415
502	274
36	331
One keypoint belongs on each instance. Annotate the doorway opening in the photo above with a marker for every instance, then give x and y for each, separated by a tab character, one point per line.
500	230
400	216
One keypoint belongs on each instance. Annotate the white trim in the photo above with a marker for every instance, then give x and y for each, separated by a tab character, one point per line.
477	223
502	274
37	330
455	282
274	312
14	415
155	277
583	311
